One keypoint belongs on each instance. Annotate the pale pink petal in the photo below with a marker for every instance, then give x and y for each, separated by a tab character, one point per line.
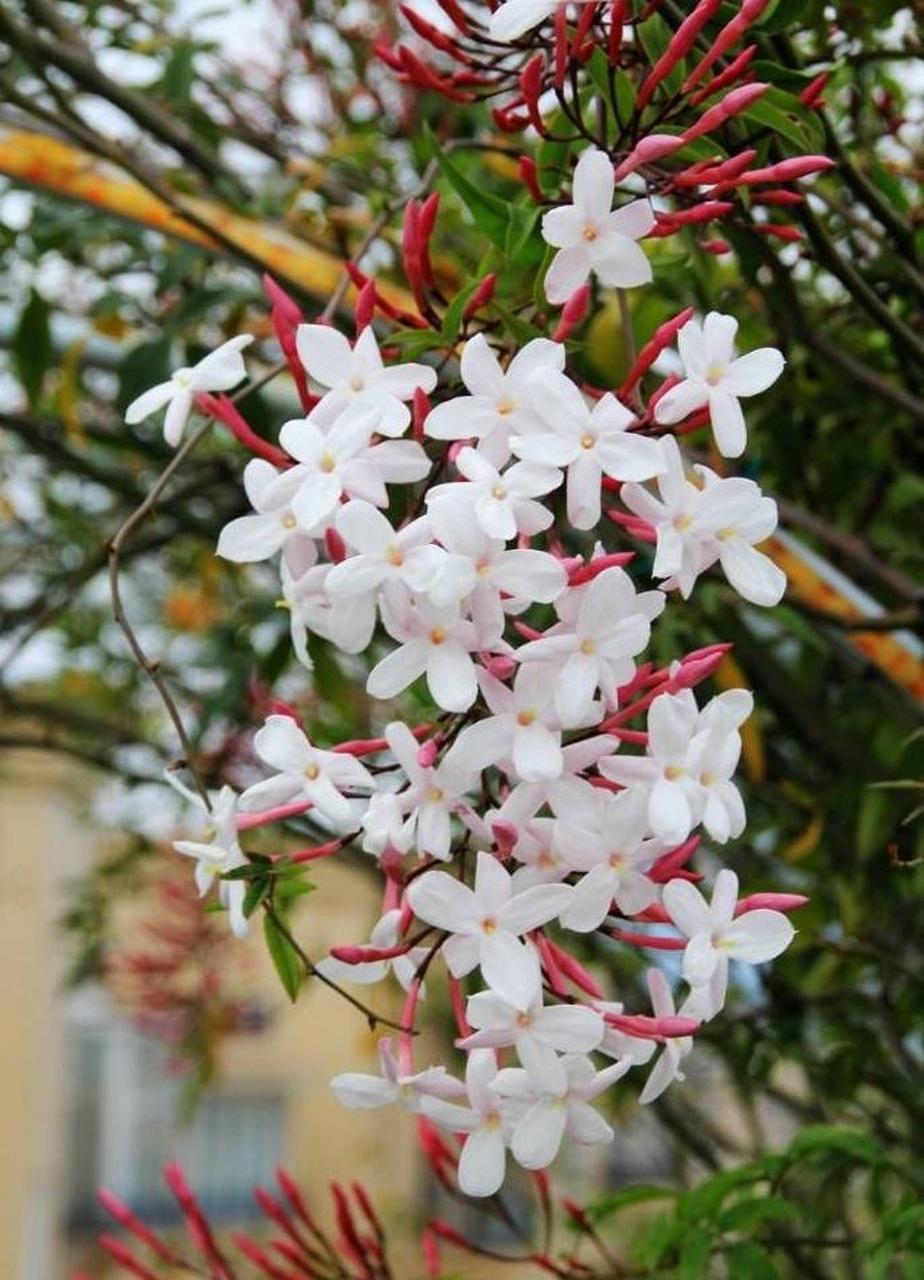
699	960
510	968
536	752
480	369
397	670
753	575
687	908
251	538
149	402
727	423
538	1136
680	401
634	220
222	368
534	907
282	745
451	677
590	900
755	372
483	1161
563	226
569	1028
593	184
620	262
358	1091
758	936
568	271
325	353
439	899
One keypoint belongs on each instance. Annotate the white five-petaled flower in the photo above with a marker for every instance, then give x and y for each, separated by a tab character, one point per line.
383	554
604	625
498	405
615	855
304	773
667	1069
477	568
591	236
384	935
717	379
216	850
437	643
515	17
433	794
357	378
522	727
220	370
719	519
347	622
551	1098
483	1159
502	502
338	457
568	1028
358	1090
274	525
589	442
487	923
686	772
717	936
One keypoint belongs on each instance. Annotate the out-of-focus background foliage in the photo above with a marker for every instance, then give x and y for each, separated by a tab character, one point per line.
158	156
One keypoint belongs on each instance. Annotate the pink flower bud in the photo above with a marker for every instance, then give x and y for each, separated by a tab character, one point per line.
648	150
334	545
572	313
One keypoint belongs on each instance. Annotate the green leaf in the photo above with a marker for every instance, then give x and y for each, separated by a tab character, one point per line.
255	894
31	346
452	319
619	1200
747	1214
750	1262
284	957
695	1249
784	114
490	212
828	1139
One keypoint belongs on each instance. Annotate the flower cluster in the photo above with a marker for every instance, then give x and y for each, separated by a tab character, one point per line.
478	529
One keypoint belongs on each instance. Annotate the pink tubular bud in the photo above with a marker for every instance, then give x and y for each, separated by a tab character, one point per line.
292	1192
617	26
652	1028
648	941
482	296
647	151
730	34
253	1253
786	170
417	72
716	247
286	316
731	105
779	231
125	1218
706	211
732	73
420	407
778	196
505	834
529	177
575	972
429	1247
367	955
456	14
771	902
316	851
662	337
530	82
427	753
680	44
811	94
572	313
334	545
365	306
507	120
248	821
124	1257
710	175
222	409
587	572
574	1211
498	664
433	36
445	1232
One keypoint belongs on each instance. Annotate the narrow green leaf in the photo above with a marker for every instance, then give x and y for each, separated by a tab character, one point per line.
31	346
490	212
284	957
